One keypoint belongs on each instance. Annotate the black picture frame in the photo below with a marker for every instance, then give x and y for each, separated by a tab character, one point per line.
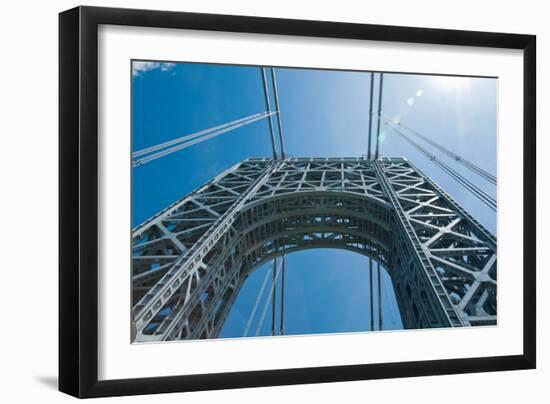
78	200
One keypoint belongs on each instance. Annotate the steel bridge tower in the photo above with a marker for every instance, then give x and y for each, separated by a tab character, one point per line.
191	259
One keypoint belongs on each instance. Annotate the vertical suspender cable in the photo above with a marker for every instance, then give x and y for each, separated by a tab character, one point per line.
282	327
279	124
380	321
266	305
370	113
151	153
371	295
251	317
268	109
389	301
274	305
379	111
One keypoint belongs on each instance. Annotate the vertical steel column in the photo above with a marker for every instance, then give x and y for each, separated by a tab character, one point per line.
268	108
370	113
379	113
445	310
278	109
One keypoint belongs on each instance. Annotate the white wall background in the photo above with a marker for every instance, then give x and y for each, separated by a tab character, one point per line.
28	202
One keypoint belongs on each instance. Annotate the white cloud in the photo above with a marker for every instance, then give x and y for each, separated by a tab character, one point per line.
410	101
139	68
167	66
419	93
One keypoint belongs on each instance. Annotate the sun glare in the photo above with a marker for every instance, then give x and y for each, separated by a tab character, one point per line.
451	83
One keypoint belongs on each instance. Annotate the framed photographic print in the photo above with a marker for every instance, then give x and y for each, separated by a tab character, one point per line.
250	201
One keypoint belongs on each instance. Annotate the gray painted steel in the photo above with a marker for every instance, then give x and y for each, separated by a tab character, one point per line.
191	259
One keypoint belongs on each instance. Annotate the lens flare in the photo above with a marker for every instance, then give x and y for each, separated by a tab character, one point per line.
451	83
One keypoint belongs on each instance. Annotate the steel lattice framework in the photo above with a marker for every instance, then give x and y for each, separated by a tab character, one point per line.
191	259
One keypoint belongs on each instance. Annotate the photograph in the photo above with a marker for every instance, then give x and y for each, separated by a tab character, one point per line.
281	201
275	202
251	201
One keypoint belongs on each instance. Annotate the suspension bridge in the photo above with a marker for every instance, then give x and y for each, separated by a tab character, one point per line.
191	259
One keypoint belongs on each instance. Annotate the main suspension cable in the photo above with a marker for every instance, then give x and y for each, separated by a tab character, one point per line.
461	160
189	140
471	187
191	136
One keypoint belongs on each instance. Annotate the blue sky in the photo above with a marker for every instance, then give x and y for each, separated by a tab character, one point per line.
324	113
